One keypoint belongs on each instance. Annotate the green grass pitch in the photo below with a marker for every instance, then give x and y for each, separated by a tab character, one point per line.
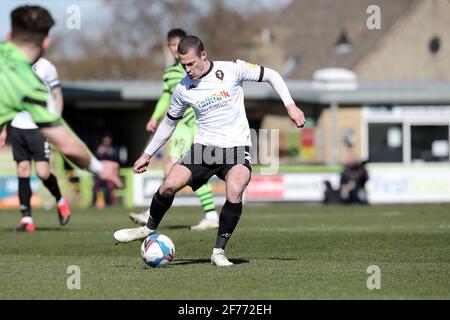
281	251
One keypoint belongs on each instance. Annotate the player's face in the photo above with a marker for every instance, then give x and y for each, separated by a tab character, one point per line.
173	46
193	64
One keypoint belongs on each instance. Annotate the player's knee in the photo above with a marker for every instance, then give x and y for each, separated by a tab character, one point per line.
168	188
23	169
234	192
42	173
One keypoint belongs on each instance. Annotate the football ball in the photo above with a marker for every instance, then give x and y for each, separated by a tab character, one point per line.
157	250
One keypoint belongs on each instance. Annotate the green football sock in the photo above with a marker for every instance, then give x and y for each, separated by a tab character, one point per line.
205	195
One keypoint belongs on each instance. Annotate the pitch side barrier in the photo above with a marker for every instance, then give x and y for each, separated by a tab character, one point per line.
388	183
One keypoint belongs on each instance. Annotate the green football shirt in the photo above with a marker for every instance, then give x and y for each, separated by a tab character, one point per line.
21	89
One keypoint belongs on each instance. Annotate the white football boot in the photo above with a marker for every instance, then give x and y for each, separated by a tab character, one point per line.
218	258
205	224
133	234
139	218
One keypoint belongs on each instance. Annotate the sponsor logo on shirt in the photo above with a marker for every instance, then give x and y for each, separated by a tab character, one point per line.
216	100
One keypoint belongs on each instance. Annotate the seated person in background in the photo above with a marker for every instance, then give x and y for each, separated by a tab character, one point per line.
105	151
353	181
330	194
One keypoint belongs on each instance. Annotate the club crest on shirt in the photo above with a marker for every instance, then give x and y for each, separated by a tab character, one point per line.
219	74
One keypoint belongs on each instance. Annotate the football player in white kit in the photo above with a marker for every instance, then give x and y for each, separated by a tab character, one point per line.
222	142
28	144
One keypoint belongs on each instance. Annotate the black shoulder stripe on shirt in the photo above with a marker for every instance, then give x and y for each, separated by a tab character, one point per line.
261	74
34	101
172	117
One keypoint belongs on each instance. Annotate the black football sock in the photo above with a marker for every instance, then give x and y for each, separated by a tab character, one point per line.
52	185
25	196
229	218
158	209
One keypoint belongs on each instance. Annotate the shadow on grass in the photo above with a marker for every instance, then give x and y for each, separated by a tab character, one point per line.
13	230
283	259
205	261
178	262
52	229
175	227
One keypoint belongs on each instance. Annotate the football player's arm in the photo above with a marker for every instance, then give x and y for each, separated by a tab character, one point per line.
59	99
77	152
251	72
52	126
52	80
279	85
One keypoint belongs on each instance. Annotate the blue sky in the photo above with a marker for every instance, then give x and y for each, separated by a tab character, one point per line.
89	9
56	7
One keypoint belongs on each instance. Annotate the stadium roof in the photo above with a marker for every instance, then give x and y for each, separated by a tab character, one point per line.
379	92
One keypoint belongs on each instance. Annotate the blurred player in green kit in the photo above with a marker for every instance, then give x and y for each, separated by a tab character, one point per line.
182	138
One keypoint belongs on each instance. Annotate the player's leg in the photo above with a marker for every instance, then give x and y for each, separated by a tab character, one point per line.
40	150
204	193
23	173
182	141
168	166
51	183
142	218
178	177
236	181
23	166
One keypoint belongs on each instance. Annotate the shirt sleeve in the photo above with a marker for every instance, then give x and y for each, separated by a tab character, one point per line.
177	104
52	79
162	134
46	71
279	85
249	72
